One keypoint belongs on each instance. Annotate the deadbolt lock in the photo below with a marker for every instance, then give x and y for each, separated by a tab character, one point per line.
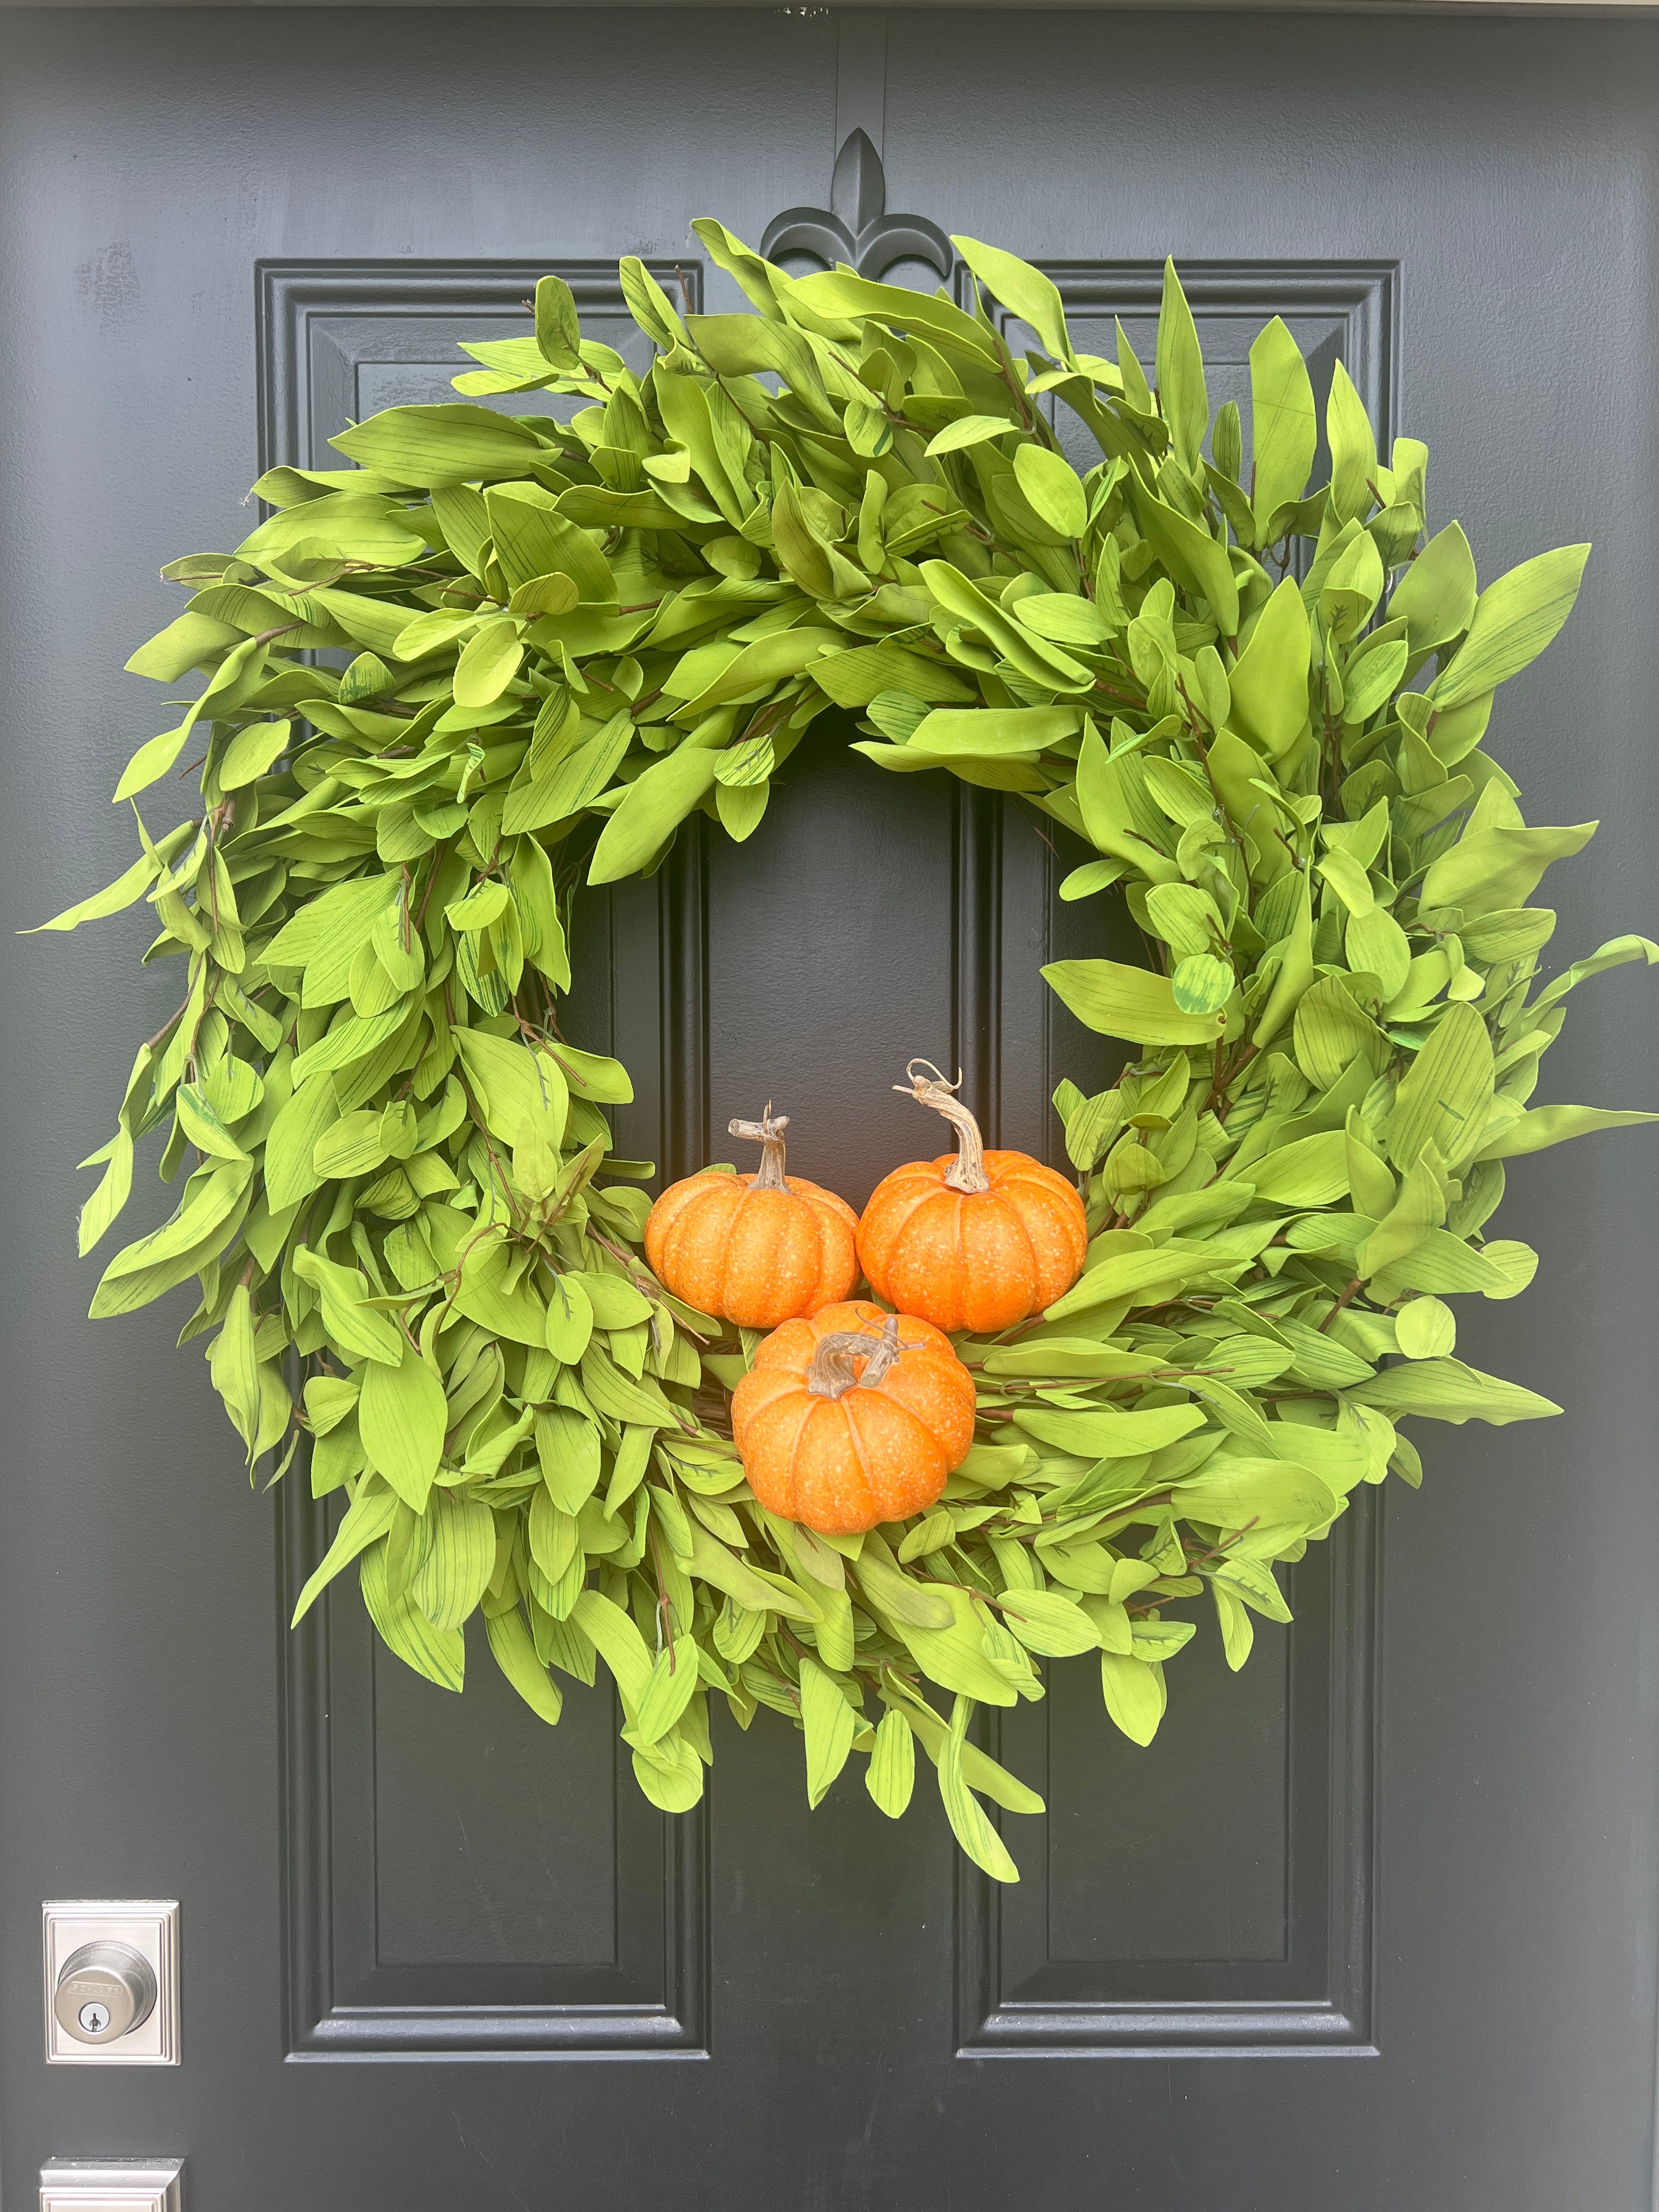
112	1982
103	1992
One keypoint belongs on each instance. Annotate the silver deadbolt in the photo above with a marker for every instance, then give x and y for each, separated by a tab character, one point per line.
103	1992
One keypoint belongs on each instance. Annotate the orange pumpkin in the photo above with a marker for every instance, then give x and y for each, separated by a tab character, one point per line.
977	1240
754	1250
853	1417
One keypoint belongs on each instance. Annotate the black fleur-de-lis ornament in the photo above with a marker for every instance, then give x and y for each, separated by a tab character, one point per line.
855	228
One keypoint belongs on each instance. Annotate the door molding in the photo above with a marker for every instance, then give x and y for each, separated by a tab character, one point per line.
1011	2003
1014	1997
321	326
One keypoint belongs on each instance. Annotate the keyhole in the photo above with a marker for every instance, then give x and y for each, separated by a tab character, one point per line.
94	2018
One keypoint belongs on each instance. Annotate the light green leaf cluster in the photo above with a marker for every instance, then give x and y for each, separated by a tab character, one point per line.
1262	705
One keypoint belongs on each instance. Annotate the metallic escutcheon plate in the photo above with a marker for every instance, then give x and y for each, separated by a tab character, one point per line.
115	2184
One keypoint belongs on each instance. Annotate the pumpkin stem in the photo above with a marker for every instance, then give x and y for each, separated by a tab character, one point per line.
935	1089
768	1135
831	1374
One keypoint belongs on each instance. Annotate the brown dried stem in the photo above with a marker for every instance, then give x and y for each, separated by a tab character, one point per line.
768	1134
935	1089
832	1375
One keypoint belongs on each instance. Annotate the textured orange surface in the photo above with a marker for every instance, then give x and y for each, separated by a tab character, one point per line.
756	1257
840	1465
976	1260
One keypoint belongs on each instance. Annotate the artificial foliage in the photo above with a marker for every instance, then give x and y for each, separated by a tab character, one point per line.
552	637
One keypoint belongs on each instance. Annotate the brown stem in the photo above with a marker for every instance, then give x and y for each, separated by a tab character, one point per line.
768	1134
1349	1294
968	1171
831	1374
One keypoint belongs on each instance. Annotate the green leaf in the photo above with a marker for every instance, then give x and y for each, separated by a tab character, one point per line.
1127	1002
1426	1328
1436	594
565	784
972	1829
1268	682
1253	1583
209	1200
191	641
127	887
489	662
558	327
1182	395
653	809
985	731
1447	1090
1108	1431
567	1448
619	1642
251	752
425	445
668	1691
367	1519
1134	1694
1032	296
1132	1269
970	430
1195	559
1517	1263
114	1188
515	1654
1499	867
892	1774
1239	1493
459	1561
1064	619
514	1084
1284	424
235	1366
979	1772
1446	1390
1202	984
1054	488
1049	1623
291	1171
569	1319
1031	656
1514	620
440	1653
1554	1125
830	1725
1353	449
402	1416
1237	1630
672	1788
1312	1171
954	1657
1615	953
358	1330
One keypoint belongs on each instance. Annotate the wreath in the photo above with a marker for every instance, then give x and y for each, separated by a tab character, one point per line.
1262	709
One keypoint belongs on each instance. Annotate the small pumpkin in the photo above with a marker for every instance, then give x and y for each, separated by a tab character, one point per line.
977	1240
754	1249
853	1417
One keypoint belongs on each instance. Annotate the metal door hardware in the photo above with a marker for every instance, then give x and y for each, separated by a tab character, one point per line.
114	2184
103	1992
112	1982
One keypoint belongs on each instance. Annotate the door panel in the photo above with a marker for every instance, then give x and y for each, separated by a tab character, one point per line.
1417	1832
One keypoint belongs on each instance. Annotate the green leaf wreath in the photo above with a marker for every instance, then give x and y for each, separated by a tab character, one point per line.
1261	707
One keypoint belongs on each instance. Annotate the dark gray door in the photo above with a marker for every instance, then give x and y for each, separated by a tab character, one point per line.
1372	1926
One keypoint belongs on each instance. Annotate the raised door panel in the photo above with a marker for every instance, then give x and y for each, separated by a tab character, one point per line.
1213	1892
459	1880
